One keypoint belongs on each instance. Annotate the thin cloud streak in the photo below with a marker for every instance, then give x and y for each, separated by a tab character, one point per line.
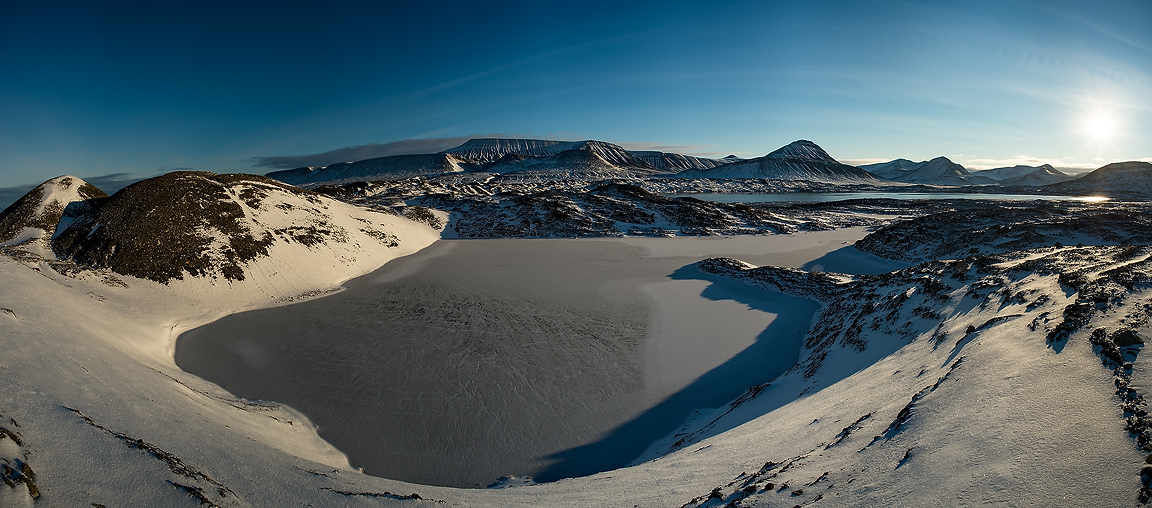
109	183
361	152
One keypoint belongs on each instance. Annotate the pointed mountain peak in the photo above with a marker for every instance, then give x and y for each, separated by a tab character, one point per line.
37	213
803	150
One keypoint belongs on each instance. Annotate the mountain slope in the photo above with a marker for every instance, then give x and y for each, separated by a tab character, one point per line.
799	160
213	226
941	171
395	167
37	214
674	162
1132	178
1025	175
892	170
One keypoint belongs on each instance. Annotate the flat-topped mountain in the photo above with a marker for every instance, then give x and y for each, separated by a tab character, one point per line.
799	160
395	167
675	163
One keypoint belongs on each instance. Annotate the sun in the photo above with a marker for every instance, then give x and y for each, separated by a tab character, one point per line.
1100	127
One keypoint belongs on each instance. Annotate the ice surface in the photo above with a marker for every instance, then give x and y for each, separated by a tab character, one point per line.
477	359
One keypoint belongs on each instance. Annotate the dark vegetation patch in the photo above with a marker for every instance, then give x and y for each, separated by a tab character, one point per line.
161	228
423	215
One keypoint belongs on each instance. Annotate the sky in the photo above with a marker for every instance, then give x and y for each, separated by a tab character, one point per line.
117	91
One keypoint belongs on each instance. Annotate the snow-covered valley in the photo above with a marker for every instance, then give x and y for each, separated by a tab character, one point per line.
1003	367
476	359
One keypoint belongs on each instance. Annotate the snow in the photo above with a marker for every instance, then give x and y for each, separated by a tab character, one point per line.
799	160
941	171
914	411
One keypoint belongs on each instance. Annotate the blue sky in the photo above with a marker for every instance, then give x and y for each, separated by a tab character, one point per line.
127	90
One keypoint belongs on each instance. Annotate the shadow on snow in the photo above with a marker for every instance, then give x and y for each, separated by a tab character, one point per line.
775	350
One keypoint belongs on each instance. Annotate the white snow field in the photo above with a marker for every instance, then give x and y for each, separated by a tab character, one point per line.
919	410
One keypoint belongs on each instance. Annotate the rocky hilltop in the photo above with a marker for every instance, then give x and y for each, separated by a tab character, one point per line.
202	225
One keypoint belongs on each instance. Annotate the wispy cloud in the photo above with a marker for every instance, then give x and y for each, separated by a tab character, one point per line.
361	152
696	150
861	162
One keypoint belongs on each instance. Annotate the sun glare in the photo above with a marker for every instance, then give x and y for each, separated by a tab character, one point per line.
1100	127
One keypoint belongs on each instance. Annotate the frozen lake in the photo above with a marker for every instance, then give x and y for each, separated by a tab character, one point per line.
476	359
808	197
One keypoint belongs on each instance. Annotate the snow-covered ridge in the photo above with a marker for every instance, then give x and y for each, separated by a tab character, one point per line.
799	160
1120	179
942	171
674	162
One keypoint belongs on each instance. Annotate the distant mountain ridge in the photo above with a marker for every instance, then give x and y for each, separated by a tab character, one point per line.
799	160
537	160
1020	174
942	171
1115	179
892	170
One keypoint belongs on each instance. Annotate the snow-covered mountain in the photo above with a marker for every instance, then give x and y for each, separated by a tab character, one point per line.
1020	174
36	216
487	150
1133	178
395	167
941	171
585	160
674	162
892	170
799	160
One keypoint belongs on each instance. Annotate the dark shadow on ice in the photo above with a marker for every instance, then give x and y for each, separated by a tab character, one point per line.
849	260
775	350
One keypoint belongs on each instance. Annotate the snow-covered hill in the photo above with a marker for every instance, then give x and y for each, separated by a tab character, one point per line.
1120	179
799	160
674	162
229	228
35	217
892	170
1032	176
941	171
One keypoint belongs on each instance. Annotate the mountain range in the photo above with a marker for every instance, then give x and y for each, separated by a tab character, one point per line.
942	171
540	160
